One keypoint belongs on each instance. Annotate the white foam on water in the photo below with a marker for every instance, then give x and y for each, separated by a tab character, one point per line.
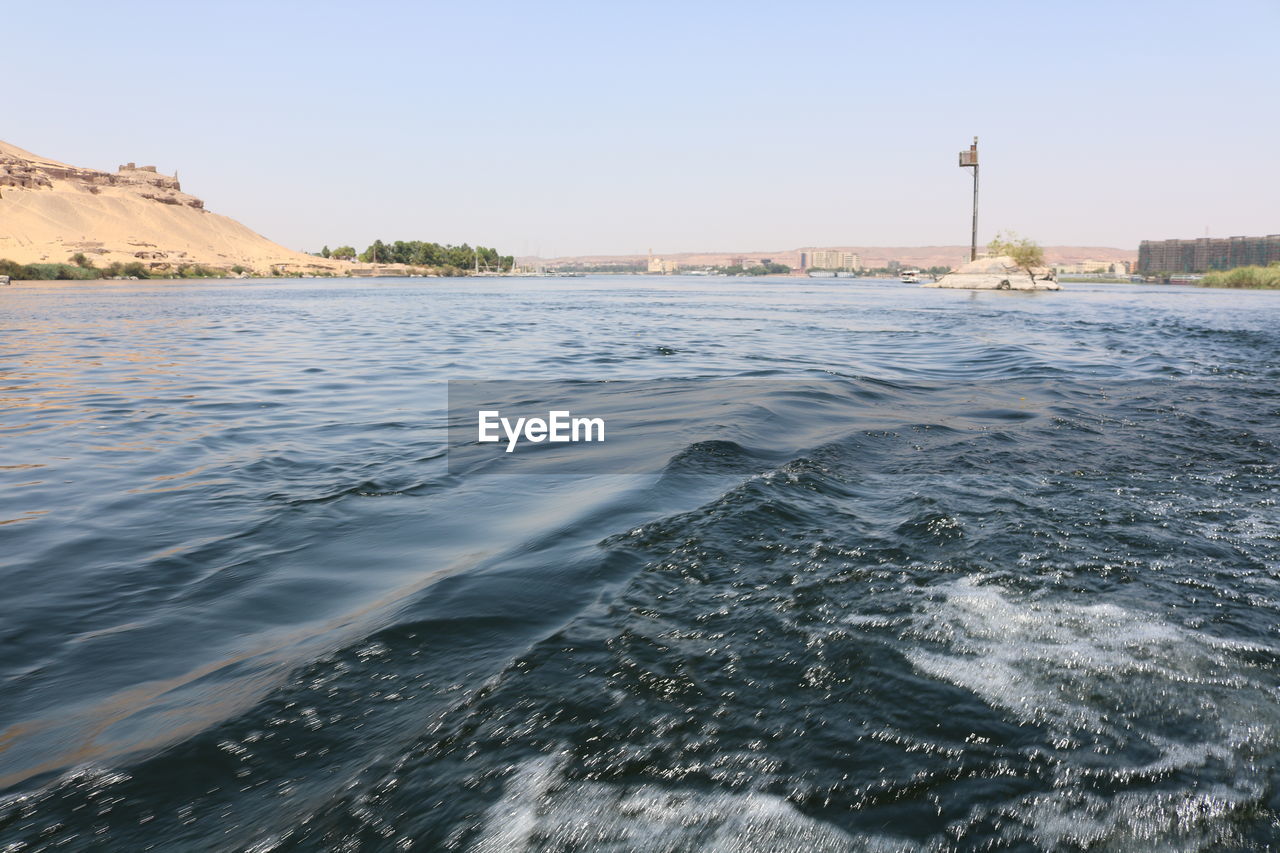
1099	677
541	810
1130	821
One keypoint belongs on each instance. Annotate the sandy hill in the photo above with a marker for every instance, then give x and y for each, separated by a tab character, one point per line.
50	210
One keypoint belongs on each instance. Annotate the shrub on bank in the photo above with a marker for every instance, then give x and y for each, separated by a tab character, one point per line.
133	269
12	269
83	270
197	271
1265	277
45	272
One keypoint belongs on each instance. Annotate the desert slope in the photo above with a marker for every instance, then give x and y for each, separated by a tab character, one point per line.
50	210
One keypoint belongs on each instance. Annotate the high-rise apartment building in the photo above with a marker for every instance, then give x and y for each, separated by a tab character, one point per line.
1205	253
832	259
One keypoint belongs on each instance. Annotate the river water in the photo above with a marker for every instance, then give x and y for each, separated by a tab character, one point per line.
248	604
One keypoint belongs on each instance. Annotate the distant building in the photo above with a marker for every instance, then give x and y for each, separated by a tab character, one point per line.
1205	253
831	259
660	266
1084	267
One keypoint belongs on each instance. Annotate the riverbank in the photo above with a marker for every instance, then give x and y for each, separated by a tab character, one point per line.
45	273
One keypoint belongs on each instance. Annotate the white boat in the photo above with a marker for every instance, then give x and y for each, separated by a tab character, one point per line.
821	274
910	276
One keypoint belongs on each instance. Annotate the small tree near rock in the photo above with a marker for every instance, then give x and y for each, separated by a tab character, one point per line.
1026	253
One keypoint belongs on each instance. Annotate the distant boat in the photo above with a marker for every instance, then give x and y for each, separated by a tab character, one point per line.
821	274
910	276
4	279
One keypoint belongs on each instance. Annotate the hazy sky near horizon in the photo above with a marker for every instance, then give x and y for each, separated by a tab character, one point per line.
562	128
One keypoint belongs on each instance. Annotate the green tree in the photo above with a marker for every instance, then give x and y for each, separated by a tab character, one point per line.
462	257
1026	253
325	253
418	253
376	253
81	260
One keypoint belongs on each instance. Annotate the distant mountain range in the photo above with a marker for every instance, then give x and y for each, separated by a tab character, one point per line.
871	256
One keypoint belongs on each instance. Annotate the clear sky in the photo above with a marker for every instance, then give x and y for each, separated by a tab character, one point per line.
611	127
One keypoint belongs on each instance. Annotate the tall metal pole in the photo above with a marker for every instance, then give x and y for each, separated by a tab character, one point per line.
969	160
973	238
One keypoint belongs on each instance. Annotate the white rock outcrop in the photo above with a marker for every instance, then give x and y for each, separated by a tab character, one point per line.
997	273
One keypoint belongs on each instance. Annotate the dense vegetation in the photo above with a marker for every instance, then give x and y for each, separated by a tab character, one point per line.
759	269
423	254
44	272
82	268
1265	277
